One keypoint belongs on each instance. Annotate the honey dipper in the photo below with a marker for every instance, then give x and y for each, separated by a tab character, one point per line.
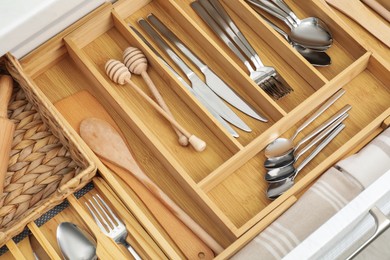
119	73
136	62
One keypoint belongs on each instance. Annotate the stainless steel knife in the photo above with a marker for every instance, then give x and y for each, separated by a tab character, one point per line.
212	80
185	84
197	84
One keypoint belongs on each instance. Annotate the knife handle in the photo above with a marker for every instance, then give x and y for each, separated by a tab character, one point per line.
6	86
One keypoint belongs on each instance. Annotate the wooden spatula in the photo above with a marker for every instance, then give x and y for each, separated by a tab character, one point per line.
7	128
87	106
363	16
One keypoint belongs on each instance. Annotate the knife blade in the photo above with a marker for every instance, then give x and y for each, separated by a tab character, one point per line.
212	80
197	84
188	87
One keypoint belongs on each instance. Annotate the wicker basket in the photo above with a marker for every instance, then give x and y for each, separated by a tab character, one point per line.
46	163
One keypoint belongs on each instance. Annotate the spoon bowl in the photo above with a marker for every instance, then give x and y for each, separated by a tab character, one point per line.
290	157
312	33
277	188
281	146
74	243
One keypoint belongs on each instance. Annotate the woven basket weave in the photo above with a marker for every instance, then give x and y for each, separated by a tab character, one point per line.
46	164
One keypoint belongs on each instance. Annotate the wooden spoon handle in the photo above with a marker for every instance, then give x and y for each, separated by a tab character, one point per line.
360	14
377	7
6	86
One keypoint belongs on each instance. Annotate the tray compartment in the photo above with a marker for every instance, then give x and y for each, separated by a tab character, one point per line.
344	51
302	78
241	195
201	47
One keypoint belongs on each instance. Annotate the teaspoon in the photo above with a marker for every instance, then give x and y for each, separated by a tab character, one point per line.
286	168
274	162
74	243
316	58
278	188
310	32
282	145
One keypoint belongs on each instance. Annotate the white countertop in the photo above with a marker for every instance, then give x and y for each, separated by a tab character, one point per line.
25	24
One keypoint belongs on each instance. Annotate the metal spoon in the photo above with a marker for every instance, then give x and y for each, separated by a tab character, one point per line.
286	168
283	159
278	188
316	58
310	32
282	145
74	243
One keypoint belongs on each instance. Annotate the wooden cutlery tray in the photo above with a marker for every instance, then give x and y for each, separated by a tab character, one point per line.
222	188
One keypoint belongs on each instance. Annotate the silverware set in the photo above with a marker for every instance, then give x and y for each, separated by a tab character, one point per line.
282	154
310	36
209	92
266	77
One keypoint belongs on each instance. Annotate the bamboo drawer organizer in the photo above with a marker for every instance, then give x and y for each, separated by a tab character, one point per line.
222	188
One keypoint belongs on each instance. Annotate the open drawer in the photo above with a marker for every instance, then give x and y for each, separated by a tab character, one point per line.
223	187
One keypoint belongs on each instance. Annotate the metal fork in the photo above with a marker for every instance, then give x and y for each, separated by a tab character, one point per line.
109	223
264	76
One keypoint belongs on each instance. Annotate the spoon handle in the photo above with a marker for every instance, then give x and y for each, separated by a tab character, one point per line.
282	5
324	133
273	10
321	110
313	133
319	148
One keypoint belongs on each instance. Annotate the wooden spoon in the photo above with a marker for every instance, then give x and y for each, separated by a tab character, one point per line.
363	16
86	106
105	141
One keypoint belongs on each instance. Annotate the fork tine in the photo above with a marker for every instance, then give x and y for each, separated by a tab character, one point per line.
98	222
100	214
109	210
104	212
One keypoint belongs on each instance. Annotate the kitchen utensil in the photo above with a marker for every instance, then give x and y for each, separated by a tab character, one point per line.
384	3
109	223
7	128
74	243
316	58
197	84
290	157
278	188
120	74
264	76
272	161
283	145
360	14
136	62
310	32
213	112
212	80
377	7
286	169
106	142
87	106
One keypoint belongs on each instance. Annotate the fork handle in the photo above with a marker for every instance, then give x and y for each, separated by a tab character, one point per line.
198	8
132	250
